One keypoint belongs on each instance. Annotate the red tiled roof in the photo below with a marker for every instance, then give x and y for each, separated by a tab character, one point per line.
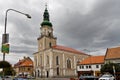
58	47
24	62
93	60
18	63
112	53
27	63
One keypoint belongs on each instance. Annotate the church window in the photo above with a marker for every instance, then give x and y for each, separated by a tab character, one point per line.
38	73
68	63
47	59
57	60
36	61
50	44
48	34
57	70
45	31
40	60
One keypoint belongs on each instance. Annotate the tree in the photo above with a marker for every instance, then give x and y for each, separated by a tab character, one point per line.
9	71
4	64
108	67
7	68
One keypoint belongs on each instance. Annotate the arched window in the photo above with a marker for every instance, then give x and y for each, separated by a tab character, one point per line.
69	63
38	73
50	44
49	34
57	60
36	60
47	59
40	60
57	70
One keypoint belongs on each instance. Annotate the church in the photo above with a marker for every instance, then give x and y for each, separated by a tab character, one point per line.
53	60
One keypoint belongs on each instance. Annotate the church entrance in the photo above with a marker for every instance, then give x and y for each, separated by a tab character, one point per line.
38	73
47	74
57	71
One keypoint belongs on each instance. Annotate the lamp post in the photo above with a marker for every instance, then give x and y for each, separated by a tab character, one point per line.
5	36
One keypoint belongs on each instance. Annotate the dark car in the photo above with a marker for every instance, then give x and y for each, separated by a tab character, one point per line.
88	78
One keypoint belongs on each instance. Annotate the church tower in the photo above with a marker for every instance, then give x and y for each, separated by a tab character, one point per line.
52	60
46	39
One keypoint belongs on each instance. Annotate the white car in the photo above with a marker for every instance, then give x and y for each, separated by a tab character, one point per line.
107	77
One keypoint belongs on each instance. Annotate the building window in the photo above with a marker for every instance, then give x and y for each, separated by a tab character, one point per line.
68	63
57	60
40	60
36	61
82	67
97	66
86	66
47	59
89	66
50	44
28	69
57	70
49	34
38	73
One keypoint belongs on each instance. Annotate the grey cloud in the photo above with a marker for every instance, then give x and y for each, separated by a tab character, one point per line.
96	30
83	29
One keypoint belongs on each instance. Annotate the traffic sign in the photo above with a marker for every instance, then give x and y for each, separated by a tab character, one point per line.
5	48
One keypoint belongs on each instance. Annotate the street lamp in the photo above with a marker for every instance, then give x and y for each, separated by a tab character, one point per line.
28	16
5	36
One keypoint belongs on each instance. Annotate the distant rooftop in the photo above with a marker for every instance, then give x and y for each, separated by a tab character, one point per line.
26	61
93	60
112	53
68	49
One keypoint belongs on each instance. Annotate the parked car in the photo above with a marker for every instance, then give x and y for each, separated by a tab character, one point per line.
18	78
107	77
88	78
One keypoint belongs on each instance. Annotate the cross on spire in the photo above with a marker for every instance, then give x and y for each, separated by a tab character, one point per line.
46	14
46	20
45	5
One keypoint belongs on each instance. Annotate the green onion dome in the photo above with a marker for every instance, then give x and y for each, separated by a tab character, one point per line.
45	22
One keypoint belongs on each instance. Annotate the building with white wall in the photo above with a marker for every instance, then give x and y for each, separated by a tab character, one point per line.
90	66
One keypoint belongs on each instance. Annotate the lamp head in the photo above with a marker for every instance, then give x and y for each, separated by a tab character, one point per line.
28	16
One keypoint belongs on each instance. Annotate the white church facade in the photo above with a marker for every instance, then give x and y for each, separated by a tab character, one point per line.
51	59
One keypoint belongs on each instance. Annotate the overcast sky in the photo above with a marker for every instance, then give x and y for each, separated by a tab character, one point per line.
86	25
